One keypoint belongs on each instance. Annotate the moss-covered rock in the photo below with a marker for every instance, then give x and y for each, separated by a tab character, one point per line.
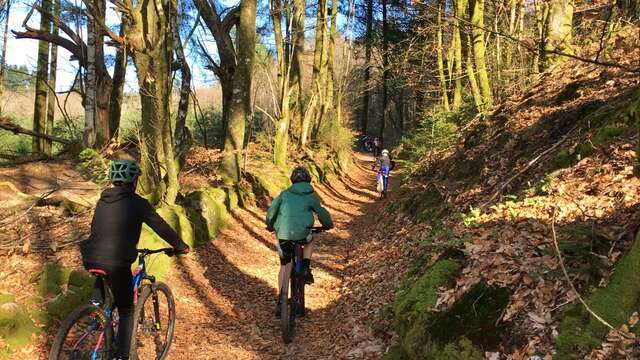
419	299
579	331
396	353
463	349
207	210
16	327
176	217
78	290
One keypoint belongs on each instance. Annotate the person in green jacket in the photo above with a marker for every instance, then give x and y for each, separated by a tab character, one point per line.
291	217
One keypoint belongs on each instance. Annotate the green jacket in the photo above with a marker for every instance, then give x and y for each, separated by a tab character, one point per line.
291	212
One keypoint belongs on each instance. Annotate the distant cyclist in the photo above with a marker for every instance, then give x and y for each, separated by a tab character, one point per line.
112	245
291	215
385	165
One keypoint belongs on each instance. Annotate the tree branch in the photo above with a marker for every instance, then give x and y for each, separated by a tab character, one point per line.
36	34
7	124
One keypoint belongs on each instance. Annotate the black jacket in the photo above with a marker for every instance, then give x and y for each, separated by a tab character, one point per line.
116	226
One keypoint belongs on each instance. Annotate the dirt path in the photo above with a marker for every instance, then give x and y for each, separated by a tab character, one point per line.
226	291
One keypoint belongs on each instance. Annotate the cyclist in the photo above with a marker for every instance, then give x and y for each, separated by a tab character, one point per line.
111	247
385	165
291	216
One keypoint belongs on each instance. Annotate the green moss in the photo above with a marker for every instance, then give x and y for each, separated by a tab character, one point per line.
607	134
460	350
562	159
16	327
429	204
421	297
79	288
579	332
474	316
51	279
396	353
7	298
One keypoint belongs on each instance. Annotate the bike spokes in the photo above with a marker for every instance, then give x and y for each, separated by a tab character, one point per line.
154	325
85	340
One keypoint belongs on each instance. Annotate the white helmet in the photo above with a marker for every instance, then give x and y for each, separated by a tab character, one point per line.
385	152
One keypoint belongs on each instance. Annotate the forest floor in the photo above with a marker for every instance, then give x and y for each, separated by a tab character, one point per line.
226	289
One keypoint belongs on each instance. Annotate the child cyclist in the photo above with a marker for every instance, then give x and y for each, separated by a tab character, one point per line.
291	216
112	245
385	165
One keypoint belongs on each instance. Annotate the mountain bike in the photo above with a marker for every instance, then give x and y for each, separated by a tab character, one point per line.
292	307
88	332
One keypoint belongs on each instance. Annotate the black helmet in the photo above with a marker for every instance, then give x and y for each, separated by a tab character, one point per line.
300	174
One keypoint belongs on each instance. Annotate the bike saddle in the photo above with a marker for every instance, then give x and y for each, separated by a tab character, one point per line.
97	272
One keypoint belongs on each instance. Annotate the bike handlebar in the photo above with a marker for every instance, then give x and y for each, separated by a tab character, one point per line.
318	229
168	251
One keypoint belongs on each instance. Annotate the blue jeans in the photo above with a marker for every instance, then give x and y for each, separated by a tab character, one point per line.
384	172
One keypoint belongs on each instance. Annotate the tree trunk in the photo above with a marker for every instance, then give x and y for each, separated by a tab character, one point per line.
42	79
117	89
51	99
333	30
3	62
89	134
441	75
297	65
459	11
477	32
385	69
473	82
241	103
367	67
558	32
542	12
281	140
318	64
182	139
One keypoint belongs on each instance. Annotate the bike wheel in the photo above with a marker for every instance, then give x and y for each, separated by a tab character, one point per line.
287	318
84	334
301	311
154	321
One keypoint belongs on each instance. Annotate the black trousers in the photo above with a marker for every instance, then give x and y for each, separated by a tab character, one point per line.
120	281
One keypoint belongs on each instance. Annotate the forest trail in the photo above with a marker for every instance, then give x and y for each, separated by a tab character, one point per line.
226	289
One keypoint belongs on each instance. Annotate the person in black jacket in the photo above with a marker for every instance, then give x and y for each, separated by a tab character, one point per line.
112	245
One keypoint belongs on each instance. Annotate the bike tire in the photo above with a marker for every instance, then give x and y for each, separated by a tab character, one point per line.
149	293
302	310
287	318
91	311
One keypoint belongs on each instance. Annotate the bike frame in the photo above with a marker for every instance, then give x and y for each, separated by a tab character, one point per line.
139	274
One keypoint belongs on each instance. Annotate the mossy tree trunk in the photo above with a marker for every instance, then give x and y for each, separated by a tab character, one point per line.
318	65
559	26
241	103
471	73
281	139
297	66
459	12
441	75
148	32
42	79
479	50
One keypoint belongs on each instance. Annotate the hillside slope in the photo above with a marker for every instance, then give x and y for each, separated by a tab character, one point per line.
559	158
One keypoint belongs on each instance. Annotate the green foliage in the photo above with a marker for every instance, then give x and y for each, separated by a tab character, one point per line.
396	353
19	77
434	131
472	216
16	328
334	135
579	331
207	127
